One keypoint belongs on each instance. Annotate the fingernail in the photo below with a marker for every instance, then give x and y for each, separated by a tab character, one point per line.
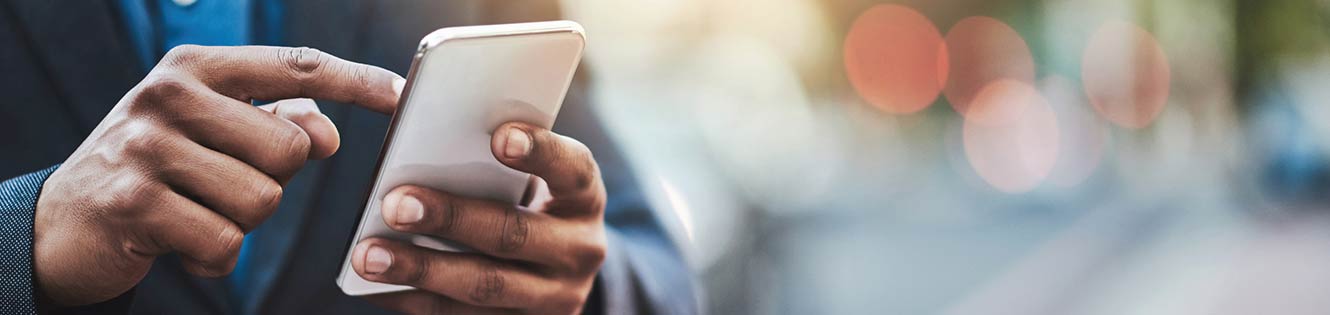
398	85
377	260
518	144
409	210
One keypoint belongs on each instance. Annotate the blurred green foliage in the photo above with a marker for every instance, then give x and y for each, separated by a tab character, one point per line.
1273	33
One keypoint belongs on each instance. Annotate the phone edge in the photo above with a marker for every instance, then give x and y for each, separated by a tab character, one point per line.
430	41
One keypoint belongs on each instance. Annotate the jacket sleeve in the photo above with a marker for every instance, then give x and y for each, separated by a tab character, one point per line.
18	201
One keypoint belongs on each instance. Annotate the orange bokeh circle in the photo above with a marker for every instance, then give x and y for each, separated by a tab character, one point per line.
895	59
982	50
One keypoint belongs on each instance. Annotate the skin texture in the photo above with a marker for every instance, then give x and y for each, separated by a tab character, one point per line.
537	260
185	164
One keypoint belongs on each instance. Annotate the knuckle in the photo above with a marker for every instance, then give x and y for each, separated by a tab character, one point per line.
183	55
581	159
231	238
420	272
584	181
362	87
363	79
592	256
303	112
588	254
303	62
145	145
293	145
489	284
134	192
228	243
297	143
269	196
516	228
161	87
449	211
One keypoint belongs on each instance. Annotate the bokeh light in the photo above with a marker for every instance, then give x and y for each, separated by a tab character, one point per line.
982	50
1126	74
1015	151
1083	134
894	58
743	117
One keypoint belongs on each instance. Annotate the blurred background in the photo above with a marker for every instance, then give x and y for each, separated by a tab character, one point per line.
980	157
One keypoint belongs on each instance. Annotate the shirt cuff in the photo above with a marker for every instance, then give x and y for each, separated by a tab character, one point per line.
18	204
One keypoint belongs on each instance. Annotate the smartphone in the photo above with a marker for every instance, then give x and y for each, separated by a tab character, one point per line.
464	82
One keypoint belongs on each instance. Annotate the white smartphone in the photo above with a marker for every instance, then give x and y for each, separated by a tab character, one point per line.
465	82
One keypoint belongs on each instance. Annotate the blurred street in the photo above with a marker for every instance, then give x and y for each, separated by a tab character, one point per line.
980	157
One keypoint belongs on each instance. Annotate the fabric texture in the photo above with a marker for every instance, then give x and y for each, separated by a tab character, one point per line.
18	204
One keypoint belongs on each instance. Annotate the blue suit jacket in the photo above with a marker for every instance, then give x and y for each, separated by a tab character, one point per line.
64	64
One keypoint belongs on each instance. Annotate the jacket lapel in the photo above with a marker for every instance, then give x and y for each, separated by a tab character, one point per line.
85	51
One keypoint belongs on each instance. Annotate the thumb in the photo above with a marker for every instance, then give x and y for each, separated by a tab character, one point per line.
323	137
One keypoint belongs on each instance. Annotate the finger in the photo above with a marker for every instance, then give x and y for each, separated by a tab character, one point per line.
276	146
490	227
304	112
420	302
222	183
272	73
468	278
208	242
565	164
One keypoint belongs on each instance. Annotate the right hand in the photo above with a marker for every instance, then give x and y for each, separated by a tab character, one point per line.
185	164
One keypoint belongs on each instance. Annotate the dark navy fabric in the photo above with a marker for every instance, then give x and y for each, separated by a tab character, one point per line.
204	22
18	198
64	65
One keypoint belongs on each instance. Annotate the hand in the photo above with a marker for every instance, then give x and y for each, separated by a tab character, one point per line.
542	261
184	163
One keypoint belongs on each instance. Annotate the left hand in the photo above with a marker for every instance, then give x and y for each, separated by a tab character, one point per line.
528	262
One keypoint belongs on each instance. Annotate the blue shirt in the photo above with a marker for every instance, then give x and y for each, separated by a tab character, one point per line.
155	26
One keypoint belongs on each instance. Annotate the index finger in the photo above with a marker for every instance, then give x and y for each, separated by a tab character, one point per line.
271	73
